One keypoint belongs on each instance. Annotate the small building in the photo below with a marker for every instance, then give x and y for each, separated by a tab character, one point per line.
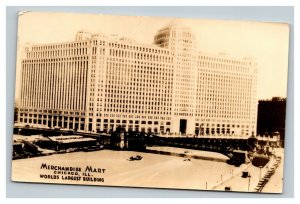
65	142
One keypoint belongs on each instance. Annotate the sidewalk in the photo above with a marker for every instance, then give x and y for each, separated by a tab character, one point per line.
238	183
275	183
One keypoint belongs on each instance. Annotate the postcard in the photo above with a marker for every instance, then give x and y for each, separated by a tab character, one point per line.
150	102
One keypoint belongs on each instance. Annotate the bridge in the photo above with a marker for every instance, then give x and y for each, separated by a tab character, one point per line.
236	148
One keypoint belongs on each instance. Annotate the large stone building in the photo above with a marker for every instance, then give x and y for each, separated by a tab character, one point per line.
96	83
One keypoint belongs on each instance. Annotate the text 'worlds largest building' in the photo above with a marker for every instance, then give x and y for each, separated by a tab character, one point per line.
97	83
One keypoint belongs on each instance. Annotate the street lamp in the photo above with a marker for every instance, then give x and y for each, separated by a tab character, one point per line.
260	167
249	182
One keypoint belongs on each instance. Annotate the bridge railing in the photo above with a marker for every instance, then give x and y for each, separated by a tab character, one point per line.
205	136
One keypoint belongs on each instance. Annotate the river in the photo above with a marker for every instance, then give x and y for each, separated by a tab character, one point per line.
153	170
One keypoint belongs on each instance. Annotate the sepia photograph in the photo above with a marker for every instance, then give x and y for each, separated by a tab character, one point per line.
150	102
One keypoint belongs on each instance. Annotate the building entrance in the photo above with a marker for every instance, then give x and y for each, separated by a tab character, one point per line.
182	127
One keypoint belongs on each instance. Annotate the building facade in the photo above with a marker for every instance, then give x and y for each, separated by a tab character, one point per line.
97	83
271	118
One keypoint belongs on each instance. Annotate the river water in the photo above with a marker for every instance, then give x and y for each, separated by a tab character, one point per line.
115	169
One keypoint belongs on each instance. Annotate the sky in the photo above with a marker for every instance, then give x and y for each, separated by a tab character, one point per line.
267	43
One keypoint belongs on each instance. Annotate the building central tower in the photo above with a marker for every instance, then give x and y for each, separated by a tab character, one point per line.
181	42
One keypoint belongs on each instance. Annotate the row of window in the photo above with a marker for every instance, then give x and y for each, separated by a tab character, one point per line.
224	60
58	46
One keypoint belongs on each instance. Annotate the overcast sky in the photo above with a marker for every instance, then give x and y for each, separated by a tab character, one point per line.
267	43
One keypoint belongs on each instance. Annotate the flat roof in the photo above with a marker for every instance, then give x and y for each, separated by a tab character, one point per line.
70	139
